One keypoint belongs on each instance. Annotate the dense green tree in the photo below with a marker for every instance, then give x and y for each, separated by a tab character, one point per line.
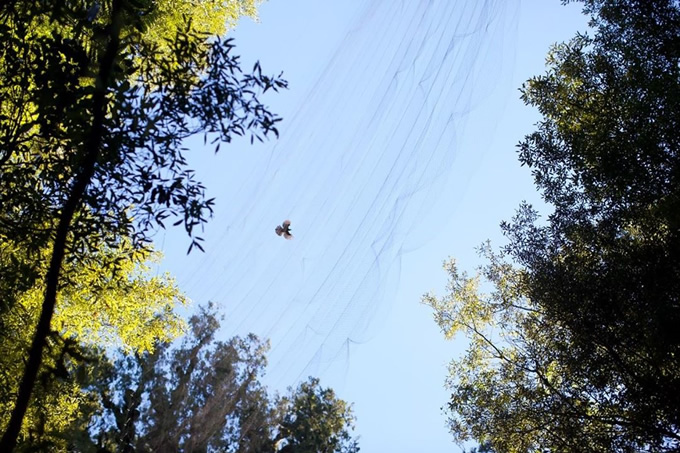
314	421
484	448
525	384
94	112
206	395
101	308
576	347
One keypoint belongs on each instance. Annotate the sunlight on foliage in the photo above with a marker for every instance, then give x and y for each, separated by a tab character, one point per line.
213	17
111	300
122	306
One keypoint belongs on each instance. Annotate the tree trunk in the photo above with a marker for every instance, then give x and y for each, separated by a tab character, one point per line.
9	438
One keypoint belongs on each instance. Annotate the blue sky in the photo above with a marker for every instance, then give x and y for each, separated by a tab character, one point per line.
397	150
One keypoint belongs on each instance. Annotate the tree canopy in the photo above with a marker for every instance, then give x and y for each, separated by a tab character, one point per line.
575	346
206	395
97	99
100	308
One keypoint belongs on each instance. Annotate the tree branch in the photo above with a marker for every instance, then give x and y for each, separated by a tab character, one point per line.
83	179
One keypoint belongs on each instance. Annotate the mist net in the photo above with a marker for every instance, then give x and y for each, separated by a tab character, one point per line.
367	168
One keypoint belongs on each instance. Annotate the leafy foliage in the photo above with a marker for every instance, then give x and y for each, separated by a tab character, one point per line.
314	420
154	101
215	17
96	103
576	348
205	395
102	307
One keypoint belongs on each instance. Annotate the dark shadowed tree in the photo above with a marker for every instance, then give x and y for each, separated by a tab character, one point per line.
314	421
576	347
206	395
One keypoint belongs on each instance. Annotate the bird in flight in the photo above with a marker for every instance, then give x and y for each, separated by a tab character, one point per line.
284	230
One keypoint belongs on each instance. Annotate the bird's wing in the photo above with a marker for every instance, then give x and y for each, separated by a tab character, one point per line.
286	223
287	235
